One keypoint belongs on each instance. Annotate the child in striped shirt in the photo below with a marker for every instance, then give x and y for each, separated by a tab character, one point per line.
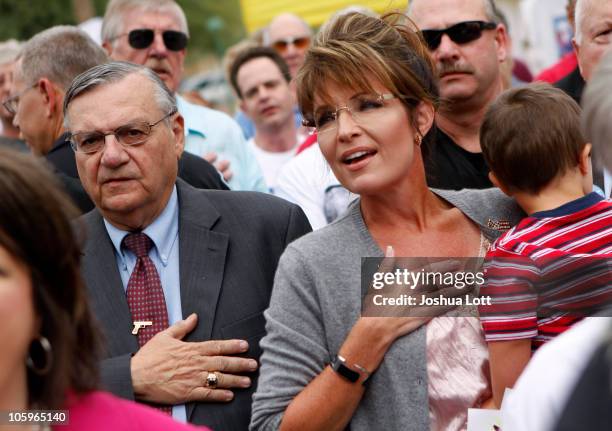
551	269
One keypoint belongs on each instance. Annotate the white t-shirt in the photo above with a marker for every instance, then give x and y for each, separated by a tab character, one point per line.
307	180
271	162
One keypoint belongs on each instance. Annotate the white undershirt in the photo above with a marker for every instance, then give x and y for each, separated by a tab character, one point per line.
271	162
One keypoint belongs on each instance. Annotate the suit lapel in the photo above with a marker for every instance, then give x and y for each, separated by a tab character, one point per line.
202	254
106	288
202	262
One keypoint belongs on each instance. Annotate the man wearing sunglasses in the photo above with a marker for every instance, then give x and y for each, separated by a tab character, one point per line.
468	46
154	33
289	35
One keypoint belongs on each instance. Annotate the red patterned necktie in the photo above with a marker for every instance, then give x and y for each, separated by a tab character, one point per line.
144	293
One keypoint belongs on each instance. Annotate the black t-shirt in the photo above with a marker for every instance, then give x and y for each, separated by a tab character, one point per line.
573	84
450	167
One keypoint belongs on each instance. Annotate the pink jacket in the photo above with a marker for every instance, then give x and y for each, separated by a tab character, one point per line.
101	411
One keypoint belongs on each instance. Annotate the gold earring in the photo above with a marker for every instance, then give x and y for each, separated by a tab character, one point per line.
417	140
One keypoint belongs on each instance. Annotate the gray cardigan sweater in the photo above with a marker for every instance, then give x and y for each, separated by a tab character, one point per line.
315	302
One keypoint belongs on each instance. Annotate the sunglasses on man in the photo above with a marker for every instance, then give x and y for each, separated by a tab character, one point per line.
142	38
282	45
461	33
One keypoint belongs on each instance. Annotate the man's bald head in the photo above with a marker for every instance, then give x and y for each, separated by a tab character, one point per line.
290	36
286	20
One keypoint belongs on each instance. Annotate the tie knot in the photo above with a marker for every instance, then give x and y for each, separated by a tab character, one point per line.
138	243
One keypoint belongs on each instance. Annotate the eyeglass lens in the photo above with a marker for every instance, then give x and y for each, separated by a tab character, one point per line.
283	45
363	109
131	134
143	38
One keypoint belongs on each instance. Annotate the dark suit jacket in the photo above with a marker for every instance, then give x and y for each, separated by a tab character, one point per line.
193	169
229	246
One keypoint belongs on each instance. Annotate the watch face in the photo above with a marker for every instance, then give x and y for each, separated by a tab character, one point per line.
339	367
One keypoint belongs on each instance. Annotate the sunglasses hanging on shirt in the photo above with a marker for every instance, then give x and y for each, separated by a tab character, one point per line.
461	33
143	38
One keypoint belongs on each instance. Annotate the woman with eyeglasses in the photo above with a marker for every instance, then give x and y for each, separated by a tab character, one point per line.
49	340
367	86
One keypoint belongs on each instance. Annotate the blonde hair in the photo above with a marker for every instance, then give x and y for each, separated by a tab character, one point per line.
355	49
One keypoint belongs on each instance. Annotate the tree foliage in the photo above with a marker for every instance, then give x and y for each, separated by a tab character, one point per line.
21	19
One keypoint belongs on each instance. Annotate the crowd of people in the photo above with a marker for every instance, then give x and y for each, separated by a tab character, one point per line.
158	264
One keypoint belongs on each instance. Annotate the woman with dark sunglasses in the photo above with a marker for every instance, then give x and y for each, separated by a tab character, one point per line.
367	87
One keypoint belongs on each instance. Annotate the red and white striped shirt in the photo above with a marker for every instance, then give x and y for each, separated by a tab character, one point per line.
549	271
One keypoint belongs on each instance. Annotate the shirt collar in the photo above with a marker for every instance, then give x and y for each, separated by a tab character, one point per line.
191	128
163	231
571	207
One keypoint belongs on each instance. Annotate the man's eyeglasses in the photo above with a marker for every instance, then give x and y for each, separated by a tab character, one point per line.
364	109
142	38
12	103
129	135
462	32
282	45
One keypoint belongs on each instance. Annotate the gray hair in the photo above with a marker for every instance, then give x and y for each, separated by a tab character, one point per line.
9	51
266	31
113	25
59	54
597	111
113	72
490	8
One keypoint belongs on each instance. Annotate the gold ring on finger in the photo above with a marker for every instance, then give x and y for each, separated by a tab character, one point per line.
212	380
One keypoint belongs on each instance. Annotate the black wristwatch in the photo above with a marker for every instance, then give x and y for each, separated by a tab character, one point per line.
338	364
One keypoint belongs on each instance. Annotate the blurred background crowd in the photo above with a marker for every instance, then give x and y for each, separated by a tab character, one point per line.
540	31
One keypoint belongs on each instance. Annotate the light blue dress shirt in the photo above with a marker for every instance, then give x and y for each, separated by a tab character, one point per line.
165	255
209	130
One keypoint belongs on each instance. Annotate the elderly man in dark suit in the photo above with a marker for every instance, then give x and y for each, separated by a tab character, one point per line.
177	277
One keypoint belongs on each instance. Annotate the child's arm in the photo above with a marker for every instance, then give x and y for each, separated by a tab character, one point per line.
508	359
